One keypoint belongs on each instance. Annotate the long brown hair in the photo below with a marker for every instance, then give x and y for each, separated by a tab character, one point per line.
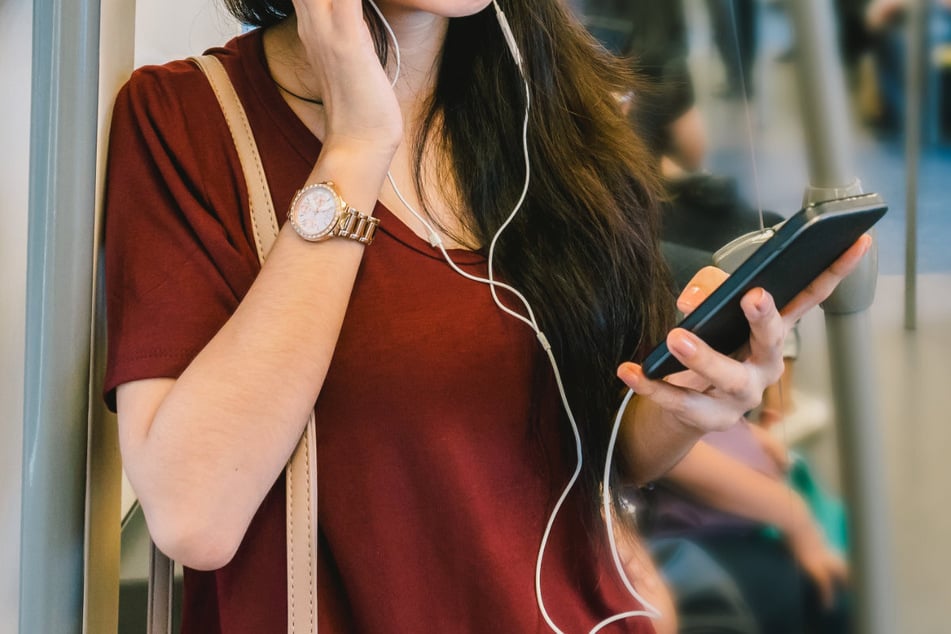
584	249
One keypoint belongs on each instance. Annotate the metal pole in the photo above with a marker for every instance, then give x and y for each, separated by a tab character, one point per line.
822	96
59	281
917	37
832	175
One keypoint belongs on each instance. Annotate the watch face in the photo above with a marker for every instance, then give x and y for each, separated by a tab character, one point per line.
315	212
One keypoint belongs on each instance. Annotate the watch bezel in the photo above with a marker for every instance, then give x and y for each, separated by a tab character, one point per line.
330	230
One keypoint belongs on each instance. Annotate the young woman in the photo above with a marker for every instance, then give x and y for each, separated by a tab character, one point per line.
442	443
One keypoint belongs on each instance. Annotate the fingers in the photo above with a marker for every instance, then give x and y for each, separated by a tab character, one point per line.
834	576
699	288
674	399
822	286
692	407
338	47
743	382
767	335
717	390
824	584
723	374
339	17
840	569
709	278
829	572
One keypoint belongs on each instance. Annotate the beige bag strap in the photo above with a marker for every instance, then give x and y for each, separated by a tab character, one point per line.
301	472
263	218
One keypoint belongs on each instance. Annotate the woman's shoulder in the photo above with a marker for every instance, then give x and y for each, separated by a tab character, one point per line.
179	86
167	126
157	93
170	110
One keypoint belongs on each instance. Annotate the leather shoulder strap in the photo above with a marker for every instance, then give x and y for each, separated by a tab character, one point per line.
263	219
301	487
301	472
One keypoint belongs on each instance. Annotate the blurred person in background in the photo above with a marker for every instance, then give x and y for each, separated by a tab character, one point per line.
653	37
735	35
883	35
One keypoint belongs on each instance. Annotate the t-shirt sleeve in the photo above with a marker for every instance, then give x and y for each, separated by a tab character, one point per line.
177	255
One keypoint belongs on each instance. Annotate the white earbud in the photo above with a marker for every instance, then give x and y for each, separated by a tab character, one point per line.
509	37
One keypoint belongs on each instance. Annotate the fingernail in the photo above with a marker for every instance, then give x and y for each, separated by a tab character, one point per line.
684	345
761	302
627	373
691	296
692	290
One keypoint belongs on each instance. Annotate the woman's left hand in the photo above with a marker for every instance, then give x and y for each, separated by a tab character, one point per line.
716	390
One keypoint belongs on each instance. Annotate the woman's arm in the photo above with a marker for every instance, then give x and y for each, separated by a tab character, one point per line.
202	451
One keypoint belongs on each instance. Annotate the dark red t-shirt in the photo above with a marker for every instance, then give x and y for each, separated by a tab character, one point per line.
440	446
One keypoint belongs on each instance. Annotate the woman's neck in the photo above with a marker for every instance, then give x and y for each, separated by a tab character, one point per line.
421	37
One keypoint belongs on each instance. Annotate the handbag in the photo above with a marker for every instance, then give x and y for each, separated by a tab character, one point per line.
301	470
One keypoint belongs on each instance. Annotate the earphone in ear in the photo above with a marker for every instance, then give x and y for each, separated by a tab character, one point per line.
509	37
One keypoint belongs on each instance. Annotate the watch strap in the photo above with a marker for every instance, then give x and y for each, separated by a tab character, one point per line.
357	226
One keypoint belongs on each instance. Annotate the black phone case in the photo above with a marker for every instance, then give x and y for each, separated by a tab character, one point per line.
803	247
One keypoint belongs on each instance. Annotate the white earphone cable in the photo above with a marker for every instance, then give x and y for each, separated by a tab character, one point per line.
607	507
529	319
396	45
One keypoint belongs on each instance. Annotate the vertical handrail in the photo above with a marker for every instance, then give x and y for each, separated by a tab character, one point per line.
58	307
859	425
915	71
822	96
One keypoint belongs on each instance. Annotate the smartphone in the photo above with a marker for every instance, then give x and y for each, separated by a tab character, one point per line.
804	246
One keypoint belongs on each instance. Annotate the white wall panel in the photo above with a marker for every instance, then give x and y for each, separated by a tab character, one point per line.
173	29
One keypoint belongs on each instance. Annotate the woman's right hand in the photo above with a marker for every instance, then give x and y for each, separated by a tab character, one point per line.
359	101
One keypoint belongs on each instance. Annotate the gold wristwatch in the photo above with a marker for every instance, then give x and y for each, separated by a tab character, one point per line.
318	213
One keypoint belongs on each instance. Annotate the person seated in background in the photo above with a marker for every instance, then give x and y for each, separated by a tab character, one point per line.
733	23
702	211
722	497
652	36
